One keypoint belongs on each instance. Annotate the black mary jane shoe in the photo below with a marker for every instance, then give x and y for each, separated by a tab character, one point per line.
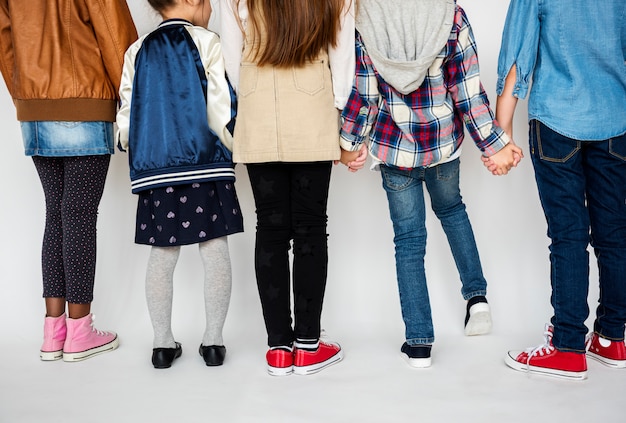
162	358
213	355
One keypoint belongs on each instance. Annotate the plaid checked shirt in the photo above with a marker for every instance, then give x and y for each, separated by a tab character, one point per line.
425	127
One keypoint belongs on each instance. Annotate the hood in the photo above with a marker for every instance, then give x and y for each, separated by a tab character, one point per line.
416	32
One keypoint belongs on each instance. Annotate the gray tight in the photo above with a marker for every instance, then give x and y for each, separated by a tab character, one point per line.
217	288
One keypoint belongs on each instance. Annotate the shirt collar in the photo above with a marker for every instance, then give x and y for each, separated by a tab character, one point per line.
175	21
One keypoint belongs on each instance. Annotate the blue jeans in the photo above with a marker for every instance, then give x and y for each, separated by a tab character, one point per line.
406	206
582	186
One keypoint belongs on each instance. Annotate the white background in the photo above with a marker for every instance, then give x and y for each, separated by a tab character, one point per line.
362	292
361	307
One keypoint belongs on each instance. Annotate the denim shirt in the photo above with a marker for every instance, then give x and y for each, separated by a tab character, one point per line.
575	53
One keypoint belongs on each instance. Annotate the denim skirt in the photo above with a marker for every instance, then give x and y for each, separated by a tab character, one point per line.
62	139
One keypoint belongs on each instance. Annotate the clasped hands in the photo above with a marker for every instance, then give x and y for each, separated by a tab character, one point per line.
499	163
354	160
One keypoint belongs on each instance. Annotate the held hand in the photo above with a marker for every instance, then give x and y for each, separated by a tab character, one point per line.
354	160
501	162
489	164
360	160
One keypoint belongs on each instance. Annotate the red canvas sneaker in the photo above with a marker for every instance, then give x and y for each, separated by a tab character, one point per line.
607	352
308	362
547	360
279	362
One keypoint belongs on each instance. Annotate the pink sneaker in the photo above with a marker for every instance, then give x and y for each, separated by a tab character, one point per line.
54	331
83	341
309	362
607	352
279	362
547	360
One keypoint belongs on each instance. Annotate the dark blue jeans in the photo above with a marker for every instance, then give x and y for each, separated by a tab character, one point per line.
291	201
582	187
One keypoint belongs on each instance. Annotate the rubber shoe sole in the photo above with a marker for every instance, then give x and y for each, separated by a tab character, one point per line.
510	360
84	355
615	364
479	322
607	352
417	363
279	371
283	360
51	355
317	367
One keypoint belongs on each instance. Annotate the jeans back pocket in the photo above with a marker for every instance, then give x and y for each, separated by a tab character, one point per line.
551	146
395	179
617	147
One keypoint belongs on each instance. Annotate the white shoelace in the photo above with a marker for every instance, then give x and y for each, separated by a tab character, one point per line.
93	329
543	349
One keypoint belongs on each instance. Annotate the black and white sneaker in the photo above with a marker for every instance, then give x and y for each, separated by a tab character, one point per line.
477	316
417	356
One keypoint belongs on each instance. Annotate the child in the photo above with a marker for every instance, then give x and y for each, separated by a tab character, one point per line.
293	56
67	114
417	81
575	54
176	119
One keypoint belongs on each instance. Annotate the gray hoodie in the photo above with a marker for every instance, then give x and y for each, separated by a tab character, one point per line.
415	33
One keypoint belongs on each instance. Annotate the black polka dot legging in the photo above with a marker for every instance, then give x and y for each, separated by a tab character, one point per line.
72	187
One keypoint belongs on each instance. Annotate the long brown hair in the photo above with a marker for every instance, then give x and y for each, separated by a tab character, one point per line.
295	30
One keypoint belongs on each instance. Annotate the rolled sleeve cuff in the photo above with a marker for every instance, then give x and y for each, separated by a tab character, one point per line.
496	142
520	90
349	141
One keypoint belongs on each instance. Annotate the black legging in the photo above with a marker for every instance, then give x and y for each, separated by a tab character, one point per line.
291	201
73	187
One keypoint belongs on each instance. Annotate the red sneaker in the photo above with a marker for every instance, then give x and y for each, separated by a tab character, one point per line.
309	362
607	352
547	360
279	362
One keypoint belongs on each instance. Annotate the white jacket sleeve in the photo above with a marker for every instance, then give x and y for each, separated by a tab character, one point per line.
220	96
126	94
232	37
342	57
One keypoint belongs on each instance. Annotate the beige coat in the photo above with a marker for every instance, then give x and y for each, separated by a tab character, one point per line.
285	114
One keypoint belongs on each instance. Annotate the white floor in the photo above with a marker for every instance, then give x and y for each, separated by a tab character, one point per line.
468	382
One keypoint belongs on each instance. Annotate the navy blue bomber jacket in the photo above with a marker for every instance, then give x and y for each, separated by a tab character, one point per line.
177	111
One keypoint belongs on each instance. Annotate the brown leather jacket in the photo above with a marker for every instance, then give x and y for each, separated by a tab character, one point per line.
62	59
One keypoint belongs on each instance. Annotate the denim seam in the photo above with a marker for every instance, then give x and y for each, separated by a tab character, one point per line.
600	334
552	159
420	341
574	350
397	187
614	154
482	293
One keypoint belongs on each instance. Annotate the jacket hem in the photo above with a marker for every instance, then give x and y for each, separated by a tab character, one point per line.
149	180
304	156
66	109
